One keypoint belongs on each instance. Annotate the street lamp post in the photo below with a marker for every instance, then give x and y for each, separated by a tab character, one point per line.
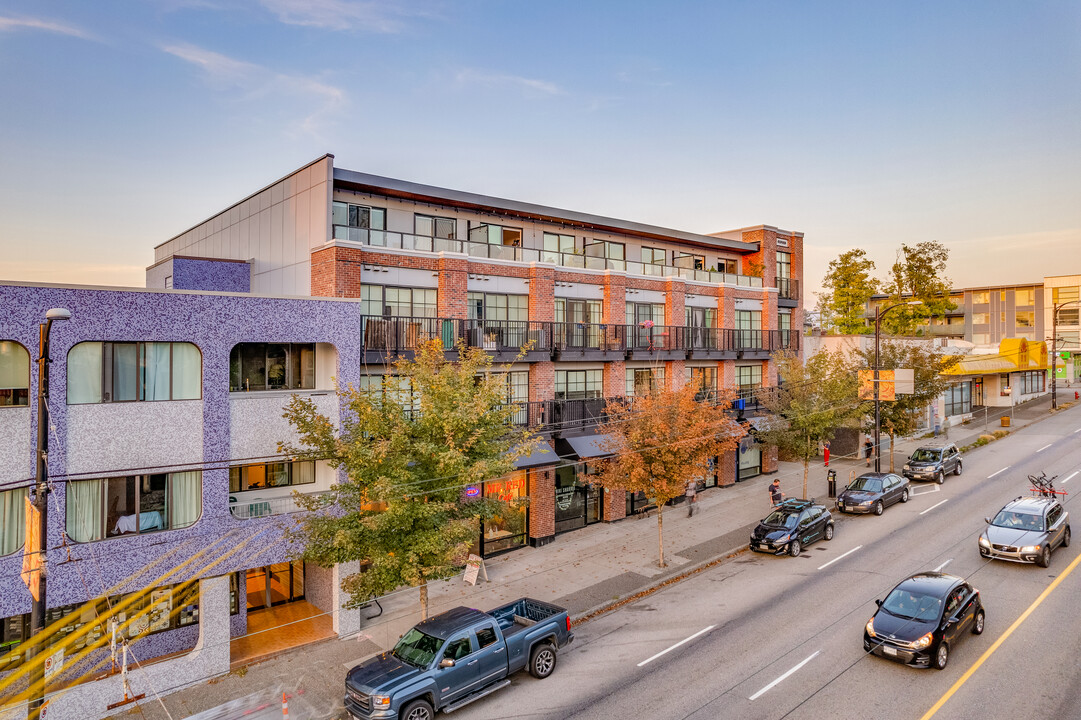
41	503
1054	350
879	313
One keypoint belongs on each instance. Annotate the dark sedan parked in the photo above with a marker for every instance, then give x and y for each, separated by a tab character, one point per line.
922	618
873	492
792	525
933	462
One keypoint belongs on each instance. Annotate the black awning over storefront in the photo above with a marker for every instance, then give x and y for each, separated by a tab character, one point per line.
542	455
586	446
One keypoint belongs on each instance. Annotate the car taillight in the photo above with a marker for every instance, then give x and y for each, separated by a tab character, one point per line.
568	623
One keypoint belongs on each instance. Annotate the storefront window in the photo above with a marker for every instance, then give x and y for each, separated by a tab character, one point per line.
750	459
506	531
578	503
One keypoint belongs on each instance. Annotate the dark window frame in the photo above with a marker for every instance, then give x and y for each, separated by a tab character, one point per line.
11	397
108	371
239	383
239	473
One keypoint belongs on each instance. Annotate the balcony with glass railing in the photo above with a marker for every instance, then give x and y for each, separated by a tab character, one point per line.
684	267
250	505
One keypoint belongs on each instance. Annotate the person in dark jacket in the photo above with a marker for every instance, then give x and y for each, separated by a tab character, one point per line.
775	494
868	448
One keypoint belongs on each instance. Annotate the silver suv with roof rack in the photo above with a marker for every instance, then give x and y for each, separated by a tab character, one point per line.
1026	530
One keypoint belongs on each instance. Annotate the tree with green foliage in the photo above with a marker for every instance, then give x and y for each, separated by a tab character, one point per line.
408	450
811	401
846	290
661	442
900	417
918	274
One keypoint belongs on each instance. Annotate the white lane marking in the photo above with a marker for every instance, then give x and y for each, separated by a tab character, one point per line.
1071	477
839	557
934	506
1077	430
924	489
681	642
773	684
943	565
1045	447
998	471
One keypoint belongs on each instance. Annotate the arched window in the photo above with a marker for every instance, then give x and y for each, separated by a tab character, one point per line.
14	374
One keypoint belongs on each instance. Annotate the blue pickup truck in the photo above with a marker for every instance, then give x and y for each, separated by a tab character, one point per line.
456	657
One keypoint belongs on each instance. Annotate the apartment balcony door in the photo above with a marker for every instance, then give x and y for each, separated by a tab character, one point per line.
275	584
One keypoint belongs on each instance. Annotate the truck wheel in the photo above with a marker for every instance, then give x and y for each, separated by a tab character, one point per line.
542	661
418	710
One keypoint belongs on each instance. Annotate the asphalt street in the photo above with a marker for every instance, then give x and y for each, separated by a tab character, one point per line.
768	637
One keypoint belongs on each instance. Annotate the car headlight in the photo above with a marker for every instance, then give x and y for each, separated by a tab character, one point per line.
866	502
871	627
1030	548
907	467
382	702
783	538
984	543
923	642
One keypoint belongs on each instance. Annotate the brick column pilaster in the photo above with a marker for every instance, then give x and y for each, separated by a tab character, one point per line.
615	504
453	287
614	310
727	470
542	506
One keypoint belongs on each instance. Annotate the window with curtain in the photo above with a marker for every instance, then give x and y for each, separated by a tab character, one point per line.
496	235
12	520
359	216
14	374
272	366
261	476
784	265
579	384
704	380
654	256
642	381
100	372
494	306
432	226
133	505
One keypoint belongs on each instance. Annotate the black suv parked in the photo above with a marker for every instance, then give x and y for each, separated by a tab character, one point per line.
791	525
933	462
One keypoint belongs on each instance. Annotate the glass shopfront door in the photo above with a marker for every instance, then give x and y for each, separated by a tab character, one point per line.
577	503
506	531
750	459
274	584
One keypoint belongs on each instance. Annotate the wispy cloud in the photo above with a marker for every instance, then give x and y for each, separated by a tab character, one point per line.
370	15
257	82
476	77
11	24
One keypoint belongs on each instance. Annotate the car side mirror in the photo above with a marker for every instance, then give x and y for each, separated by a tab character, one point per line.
878	602
987	520
446	663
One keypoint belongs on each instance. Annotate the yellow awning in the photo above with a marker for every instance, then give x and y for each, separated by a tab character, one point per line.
1014	355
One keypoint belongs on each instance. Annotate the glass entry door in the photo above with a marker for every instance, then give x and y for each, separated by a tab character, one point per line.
577	504
274	584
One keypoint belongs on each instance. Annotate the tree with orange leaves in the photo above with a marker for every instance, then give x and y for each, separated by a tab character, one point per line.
662	441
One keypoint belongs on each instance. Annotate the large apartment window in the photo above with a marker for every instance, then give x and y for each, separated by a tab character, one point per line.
579	384
728	265
784	265
704	380
432	226
654	256
981	297
390	301
1031	381
700	317
496	235
643	381
391	388
12	517
1069	315
14	374
1024	296
560	243
607	249
958	399
133	505
578	311
262	476
638	313
748	379
272	366
981	318
136	371
784	324
749	328
493	306
1025	318
689	260
359	216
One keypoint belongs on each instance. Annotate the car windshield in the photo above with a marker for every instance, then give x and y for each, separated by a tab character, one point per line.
925	455
1019	520
784	519
417	649
867	484
912	605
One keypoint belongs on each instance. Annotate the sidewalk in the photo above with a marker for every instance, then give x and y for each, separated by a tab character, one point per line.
584	571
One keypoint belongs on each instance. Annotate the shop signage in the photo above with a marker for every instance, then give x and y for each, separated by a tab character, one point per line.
564	497
472	491
473	567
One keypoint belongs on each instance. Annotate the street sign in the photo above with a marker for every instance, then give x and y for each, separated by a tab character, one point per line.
31	551
886	385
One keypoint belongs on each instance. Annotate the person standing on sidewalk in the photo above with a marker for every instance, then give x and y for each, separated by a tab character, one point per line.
826	452
692	496
775	494
868	448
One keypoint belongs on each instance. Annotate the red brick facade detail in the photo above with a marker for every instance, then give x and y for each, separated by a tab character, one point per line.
727	470
542	503
453	288
542	381
542	294
769	459
615	505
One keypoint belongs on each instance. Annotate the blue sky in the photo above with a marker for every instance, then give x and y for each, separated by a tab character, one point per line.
862	124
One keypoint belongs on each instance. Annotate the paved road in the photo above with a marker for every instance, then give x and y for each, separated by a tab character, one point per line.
748	623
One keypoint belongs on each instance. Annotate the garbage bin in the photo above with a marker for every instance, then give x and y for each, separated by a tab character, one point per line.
831	481
1005	420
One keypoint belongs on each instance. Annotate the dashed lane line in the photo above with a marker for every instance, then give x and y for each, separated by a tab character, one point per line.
934	506
939	568
773	684
1070	477
820	567
684	641
997	472
1045	447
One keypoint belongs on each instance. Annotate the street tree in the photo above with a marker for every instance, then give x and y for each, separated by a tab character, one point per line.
918	274
846	290
408	449
663	440
809	403
900	417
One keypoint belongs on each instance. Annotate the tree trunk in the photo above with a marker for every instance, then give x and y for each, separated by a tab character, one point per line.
660	533
806	469
423	599
891	452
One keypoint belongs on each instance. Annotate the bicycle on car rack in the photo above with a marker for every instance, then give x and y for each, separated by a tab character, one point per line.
1044	486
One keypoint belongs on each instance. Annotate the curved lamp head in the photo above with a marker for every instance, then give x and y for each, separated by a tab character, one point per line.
58	314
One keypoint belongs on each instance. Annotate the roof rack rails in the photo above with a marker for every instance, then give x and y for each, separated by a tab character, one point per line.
797	502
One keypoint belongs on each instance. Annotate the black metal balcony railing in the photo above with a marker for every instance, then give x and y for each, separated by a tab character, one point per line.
400	334
788	288
576	336
656	337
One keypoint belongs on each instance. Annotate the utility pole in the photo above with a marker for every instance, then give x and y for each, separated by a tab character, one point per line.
878	338
1054	350
41	505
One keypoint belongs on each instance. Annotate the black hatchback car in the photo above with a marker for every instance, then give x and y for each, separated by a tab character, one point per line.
922	618
933	462
873	492
792	525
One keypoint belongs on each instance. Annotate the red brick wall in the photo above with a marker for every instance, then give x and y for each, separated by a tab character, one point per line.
542	381
615	505
323	267
453	288
727	474
542	294
542	503
769	459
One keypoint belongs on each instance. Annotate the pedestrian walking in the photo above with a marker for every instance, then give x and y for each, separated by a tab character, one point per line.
868	448
775	494
692	496
826	452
